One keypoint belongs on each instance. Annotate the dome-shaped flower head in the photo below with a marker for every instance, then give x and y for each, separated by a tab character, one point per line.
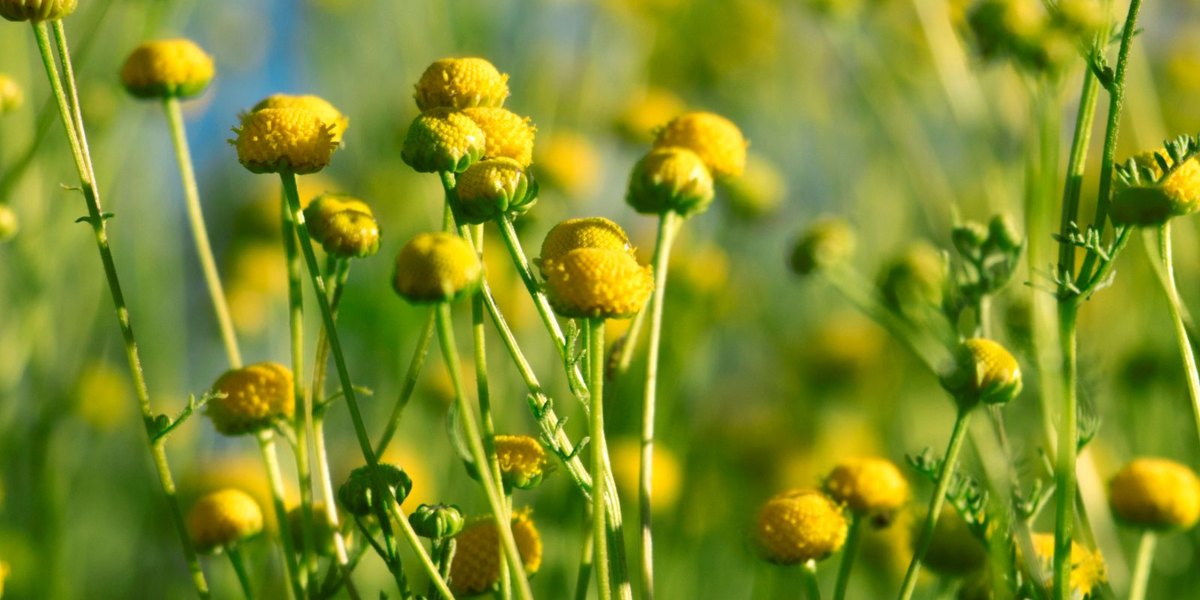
278	140
436	267
1148	194
343	225
442	140
328	113
459	83
798	526
984	371
1156	493
871	488
475	568
1087	568
586	232
827	242
175	68
36	10
523	461
223	518
357	494
506	134
715	139
251	398
11	97
492	187
595	283
670	178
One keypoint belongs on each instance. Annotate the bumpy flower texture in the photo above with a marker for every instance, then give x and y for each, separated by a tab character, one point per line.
278	140
328	113
223	518
251	398
798	526
460	83
717	141
167	68
475	568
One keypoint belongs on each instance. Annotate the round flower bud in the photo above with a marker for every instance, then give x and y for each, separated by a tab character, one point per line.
438	521
798	526
953	550
597	283
670	178
222	519
9	225
506	134
251	398
323	529
175	68
440	140
828	242
1087	568
984	371
1003	233
357	494
914	280
587	232
461	83
523	461
492	187
871	488
277	140
1156	493
344	225
475	568
715	139
1153	201
328	113
11	97
436	267
36	10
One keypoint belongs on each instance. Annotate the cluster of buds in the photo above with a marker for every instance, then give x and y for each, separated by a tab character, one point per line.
1038	37
689	153
343	225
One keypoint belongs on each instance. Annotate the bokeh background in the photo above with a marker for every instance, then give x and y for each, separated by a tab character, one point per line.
872	110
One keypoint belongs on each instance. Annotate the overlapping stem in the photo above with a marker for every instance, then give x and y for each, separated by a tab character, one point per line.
849	553
1175	304
239	567
596	359
410	383
73	126
266	444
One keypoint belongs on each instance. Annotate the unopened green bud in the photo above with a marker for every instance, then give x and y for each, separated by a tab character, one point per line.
492	187
442	140
984	371
968	237
670	178
36	10
437	521
1003	235
11	97
915	278
357	495
828	242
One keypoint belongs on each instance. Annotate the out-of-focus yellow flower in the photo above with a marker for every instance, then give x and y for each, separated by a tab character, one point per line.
1156	493
700	270
475	568
1087	568
277	140
506	133
36	10
103	395
254	397
1153	200
667	483
461	83
871	488
798	526
842	347
224	518
4	571
492	187
167	68
715	139
827	242
596	283
568	162
436	267
416	464
328	113
670	178
523	461
343	225
914	280
256	282
11	97
953	551
985	372
647	113
760	190
442	139
241	471
586	232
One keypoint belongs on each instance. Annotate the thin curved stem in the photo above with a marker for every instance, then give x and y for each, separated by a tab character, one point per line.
1175	304
596	360
266	444
410	384
1141	570
239	566
849	553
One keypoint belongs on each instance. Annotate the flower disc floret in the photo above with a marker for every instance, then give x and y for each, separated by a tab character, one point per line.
1156	493
436	267
11	97
36	10
597	283
717	141
175	68
523	461
492	187
328	113
587	232
670	179
442	140
506	133
984	372
1155	198
1087	568
251	398
475	568
357	494
343	225
461	83
871	488
798	526
223	518
278	140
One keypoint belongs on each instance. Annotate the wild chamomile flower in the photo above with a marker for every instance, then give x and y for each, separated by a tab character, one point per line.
798	526
276	140
827	242
715	139
437	521
492	187
357	494
670	178
1087	568
586	232
984	372
175	68
343	225
223	518
1149	194
475	568
436	267
36	10
597	283
523	461
11	97
251	398
328	113
459	83
647	112
668	473
1156	493
871	488
506	134
9	224
442	140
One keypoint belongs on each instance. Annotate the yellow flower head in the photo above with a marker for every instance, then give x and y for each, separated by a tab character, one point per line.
9	224
667	481
1156	493
36	10
328	113
798	526
670	178
717	141
276	140
253	398
224	518
461	83
492	187
587	232
442	139
344	225
523	461
167	68
11	97
567	162
647	113
506	133
953	550
1145	196
597	283
475	568
870	487
829	241
436	267
1087	568
984	372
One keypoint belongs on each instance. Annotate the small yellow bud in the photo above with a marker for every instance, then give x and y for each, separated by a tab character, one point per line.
523	461
343	225
167	68
492	187
224	518
9	224
828	242
587	232
459	83
436	267
670	179
1087	568
597	283
328	113
36	10
11	97
715	139
475	568
953	550
441	139
278	140
668	473
984	372
506	134
1154	201
871	488
254	397
1156	493
798	526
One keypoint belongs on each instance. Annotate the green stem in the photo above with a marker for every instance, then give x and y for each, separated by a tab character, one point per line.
1175	304
629	342
410	384
936	502
584	576
1075	168
1141	570
596	360
266	444
809	572
849	553
191	195
73	126
325	484
414	541
239	566
1068	447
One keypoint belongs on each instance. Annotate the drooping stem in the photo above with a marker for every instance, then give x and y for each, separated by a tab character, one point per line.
239	566
849	553
1141	569
936	502
1175	304
596	360
266	444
